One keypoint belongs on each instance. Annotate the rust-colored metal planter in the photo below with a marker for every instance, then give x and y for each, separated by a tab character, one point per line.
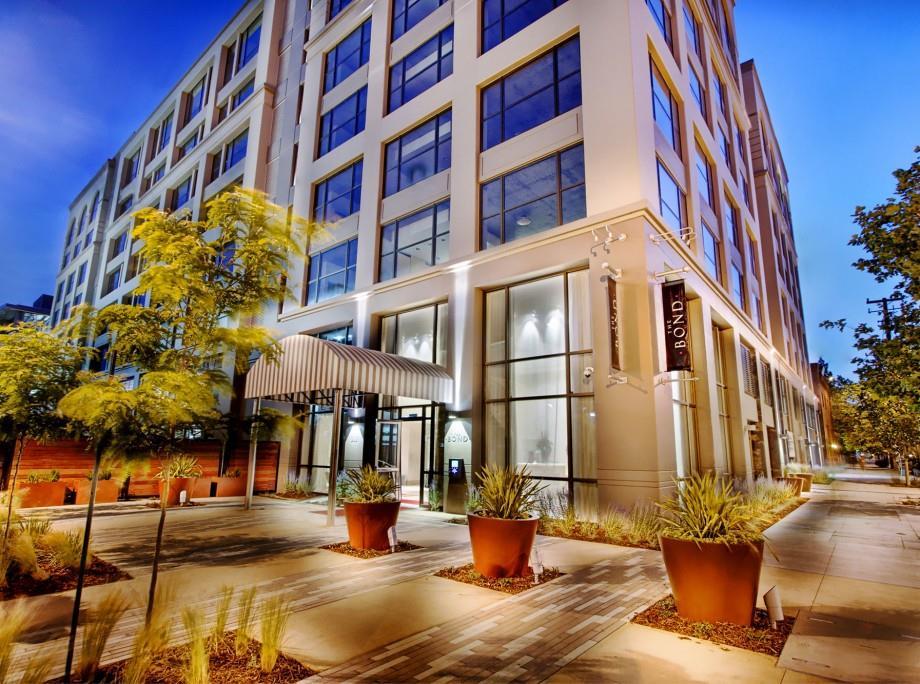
501	548
231	486
806	479
712	582
39	494
176	486
368	524
796	482
106	491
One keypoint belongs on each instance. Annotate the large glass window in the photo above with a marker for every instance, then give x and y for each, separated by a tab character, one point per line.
249	44
428	64
165	132
336	7
418	154
543	89
662	17
737	284
236	150
731	224
332	272
351	53
182	193
664	109
408	13
196	99
711	252
339	195
343	122
540	196
694	42
704	176
415	242
539	405
671	199
501	19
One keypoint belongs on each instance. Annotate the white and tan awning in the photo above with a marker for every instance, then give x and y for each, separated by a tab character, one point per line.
308	363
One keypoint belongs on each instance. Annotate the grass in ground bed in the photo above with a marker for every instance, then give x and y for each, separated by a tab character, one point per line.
349	550
509	585
224	666
60	579
759	638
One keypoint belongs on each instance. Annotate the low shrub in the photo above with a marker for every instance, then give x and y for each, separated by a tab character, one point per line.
22	552
823	476
196	667
297	486
766	495
39	476
62	549
12	623
275	614
102	621
708	509
244	623
223	612
180	465
34	527
508	493
369	486
643	524
152	637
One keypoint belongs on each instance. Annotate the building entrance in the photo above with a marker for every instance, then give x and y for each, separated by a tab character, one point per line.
406	450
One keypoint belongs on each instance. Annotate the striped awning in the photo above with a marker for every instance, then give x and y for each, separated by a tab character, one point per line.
308	363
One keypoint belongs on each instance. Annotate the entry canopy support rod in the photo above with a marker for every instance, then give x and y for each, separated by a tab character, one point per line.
253	451
334	454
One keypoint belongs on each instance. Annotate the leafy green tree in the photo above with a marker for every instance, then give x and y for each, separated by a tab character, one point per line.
36	370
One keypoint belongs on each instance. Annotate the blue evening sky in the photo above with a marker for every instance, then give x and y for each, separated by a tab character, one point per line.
841	78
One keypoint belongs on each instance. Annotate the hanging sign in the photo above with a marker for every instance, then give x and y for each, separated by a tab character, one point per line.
613	323
676	326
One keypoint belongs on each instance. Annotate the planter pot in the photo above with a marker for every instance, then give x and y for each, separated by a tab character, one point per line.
368	523
38	494
201	489
231	486
106	491
796	483
806	479
713	582
176	486
501	548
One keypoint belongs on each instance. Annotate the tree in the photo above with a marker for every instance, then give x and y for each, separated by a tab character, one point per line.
885	403
207	282
36	370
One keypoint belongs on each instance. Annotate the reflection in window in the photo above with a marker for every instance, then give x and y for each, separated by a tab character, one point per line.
711	253
737	285
539	404
540	196
343	335
338	196
418	154
415	242
501	19
408	13
342	122
419	334
236	150
350	54
249	45
336	7
543	89
664	109
671	199
332	272
425	66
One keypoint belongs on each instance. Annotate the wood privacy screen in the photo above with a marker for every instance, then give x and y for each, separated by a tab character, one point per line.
74	462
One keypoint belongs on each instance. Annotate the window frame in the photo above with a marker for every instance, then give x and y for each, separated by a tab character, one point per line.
356	169
437	122
430	240
443	43
333	60
485	43
358	100
403	12
681	214
673	113
316	261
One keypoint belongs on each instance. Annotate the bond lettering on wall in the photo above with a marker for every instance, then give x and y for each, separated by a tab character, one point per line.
613	322
676	326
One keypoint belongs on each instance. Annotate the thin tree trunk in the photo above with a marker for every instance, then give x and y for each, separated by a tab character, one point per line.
20	446
84	556
158	547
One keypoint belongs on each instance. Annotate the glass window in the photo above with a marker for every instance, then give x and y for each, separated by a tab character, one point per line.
719	92
159	173
696	88
671	199
693	32
165	132
241	95
249	45
704	176
418	154
415	242
332	272
542	195
422	68
349	55
343	122
731	224
724	146
81	274
711	253
97	201
188	145
407	13
69	283
236	150
737	284
132	164
195	99
543	89
82	223
124	206
662	17
343	335
501	19
112	281
339	195
119	244
88	240
336	7
182	193
664	109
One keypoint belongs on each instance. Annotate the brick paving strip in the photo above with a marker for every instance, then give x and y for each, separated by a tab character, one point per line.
526	637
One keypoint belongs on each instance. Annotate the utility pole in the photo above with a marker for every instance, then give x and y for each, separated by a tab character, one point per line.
885	311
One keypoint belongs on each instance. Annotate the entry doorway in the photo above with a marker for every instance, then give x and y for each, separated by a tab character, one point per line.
405	450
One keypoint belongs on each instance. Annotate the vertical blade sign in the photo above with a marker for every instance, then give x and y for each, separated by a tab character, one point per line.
613	321
676	326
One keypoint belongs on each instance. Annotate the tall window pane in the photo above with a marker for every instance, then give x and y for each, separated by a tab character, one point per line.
671	199
422	68
332	272
711	252
501	19
343	122
418	154
338	196
415	242
408	13
664	109
704	176
348	56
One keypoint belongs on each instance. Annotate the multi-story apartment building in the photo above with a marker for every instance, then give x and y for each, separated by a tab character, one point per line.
556	201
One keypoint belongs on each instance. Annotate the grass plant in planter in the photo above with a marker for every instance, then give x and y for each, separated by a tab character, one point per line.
371	508
503	525
803	472
178	475
712	551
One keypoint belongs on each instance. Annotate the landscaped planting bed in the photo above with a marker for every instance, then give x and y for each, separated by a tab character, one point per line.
759	637
349	550
508	585
58	578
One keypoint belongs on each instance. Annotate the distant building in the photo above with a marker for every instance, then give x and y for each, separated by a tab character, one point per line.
830	446
38	312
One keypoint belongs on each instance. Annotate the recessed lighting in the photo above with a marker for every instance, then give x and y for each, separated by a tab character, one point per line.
523	221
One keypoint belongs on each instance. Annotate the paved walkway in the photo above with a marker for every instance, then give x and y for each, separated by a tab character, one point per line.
846	563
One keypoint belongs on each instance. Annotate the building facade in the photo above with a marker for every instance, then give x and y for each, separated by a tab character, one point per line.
559	202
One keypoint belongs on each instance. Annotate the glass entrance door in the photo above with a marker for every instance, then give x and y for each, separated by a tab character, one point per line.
388	460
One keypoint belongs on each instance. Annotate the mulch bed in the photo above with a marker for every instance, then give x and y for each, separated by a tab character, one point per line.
508	585
349	550
188	504
910	501
291	496
759	638
226	667
61	579
591	532
782	512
